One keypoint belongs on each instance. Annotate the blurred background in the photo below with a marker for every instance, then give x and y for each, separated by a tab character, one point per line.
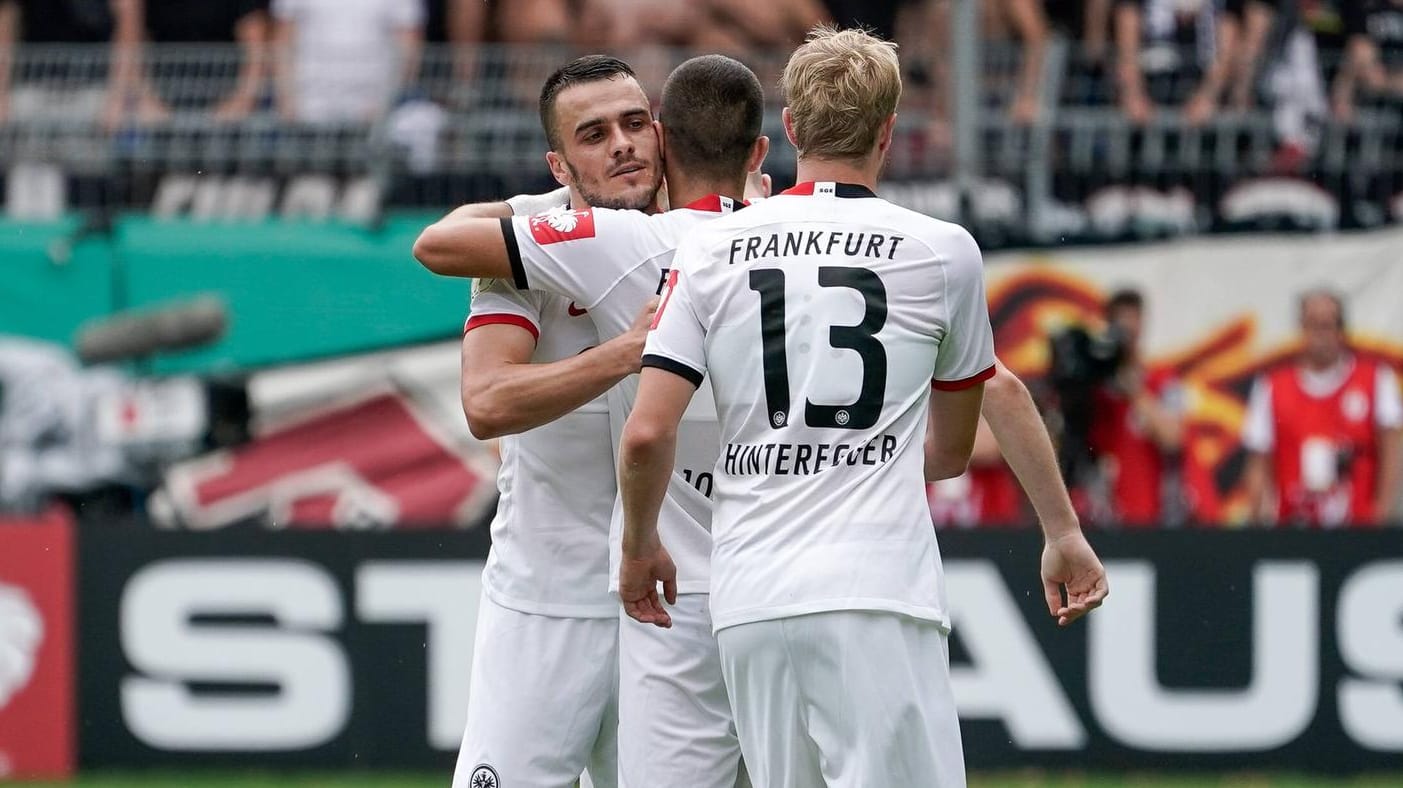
242	519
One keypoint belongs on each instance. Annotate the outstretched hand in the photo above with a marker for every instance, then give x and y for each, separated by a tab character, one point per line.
640	571
1069	563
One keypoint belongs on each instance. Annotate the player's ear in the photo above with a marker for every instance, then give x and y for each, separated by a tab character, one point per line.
558	168
758	152
789	128
884	138
662	139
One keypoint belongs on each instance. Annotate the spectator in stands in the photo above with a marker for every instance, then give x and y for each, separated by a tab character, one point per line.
1325	431
228	87
1233	70
1373	55
1028	22
344	61
776	24
1138	426
75	88
879	16
1325	53
1185	53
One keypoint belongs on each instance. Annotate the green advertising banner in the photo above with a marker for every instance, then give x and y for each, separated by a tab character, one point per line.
293	290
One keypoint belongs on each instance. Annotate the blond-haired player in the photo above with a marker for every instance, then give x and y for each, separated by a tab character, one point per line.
833	325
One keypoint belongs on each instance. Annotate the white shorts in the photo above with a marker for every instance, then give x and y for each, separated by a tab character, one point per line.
846	699
675	725
542	707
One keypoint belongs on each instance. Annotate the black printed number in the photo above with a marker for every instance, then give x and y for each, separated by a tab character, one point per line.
702	479
858	415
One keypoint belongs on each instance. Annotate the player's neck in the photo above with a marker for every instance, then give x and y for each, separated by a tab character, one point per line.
860	172
682	191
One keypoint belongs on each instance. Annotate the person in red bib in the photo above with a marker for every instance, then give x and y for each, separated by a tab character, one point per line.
1139	423
1324	432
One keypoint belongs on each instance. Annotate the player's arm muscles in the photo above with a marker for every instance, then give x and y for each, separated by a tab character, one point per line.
646	458
1026	447
1068	563
504	393
950	433
471	241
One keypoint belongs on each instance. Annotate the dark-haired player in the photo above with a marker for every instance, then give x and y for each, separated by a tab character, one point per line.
674	717
542	705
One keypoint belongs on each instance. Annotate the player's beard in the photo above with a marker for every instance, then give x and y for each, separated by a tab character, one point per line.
633	200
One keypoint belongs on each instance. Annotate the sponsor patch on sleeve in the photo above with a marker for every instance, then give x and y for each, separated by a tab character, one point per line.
557	226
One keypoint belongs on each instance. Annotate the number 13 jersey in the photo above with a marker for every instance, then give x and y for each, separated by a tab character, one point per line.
823	317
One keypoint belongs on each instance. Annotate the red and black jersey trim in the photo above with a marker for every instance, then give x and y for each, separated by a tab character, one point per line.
478	321
514	254
807	188
674	366
713	203
958	385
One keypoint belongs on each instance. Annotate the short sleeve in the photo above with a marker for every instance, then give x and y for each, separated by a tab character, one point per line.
576	254
966	353
1388	402
1259	430
677	339
496	302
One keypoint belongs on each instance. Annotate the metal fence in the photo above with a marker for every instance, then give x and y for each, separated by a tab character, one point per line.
462	124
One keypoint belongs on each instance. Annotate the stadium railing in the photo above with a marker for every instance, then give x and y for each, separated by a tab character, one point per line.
466	127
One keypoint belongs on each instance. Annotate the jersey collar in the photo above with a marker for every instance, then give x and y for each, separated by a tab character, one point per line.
829	189
715	203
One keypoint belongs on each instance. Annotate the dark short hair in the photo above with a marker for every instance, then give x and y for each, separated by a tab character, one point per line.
1123	298
1327	294
581	70
712	108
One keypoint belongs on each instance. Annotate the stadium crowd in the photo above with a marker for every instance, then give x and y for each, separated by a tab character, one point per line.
1307	60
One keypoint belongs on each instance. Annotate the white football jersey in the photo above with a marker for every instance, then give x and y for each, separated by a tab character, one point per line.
550	548
823	317
610	263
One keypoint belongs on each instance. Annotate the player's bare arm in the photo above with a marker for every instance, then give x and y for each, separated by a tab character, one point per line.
950	432
520	205
645	465
505	393
1068	562
457	237
465	246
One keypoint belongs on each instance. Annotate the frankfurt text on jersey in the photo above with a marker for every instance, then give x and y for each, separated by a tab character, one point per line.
814	242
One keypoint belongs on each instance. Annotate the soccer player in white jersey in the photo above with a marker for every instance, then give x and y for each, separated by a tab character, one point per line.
675	720
832	325
542	704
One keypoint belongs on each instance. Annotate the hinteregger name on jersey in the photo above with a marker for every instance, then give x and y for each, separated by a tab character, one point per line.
814	242
804	459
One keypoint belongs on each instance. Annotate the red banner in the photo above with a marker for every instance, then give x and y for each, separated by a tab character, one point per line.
37	730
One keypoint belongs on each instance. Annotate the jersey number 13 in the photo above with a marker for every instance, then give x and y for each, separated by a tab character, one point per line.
858	415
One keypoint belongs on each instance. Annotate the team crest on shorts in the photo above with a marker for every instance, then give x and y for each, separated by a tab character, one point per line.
484	776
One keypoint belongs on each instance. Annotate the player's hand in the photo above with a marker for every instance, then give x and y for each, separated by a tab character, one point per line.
640	571
1069	563
631	342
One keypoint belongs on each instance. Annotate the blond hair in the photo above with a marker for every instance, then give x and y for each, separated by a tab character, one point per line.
841	86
